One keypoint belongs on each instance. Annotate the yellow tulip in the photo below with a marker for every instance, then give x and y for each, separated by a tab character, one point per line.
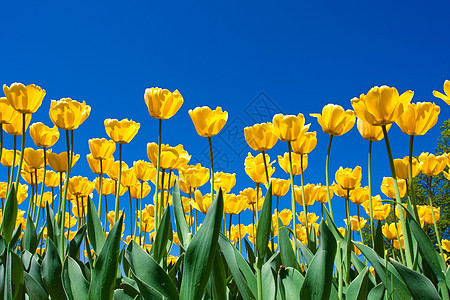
225	181
80	186
167	185
390	232
69	221
283	162
249	229
128	178
202	202
387	187
121	132
370	132
34	158
15	127
24	99
382	105
280	187
255	168
235	232
359	195
286	216
425	213
432	165
94	164
30	177
194	176
7	112
161	103
418	118
312	218
305	144
338	190
445	245
184	187
250	196
102	148
310	194
47	198
22	192
108	186
445	97
58	162
3	190
79	211
68	114
380	211
321	194
7	158
301	234
355	223
135	190
260	137
113	171
289	127
208	122
396	244
402	165
234	204
347	178
44	136
144	170
171	157
335	120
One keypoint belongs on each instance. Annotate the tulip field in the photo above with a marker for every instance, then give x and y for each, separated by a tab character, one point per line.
64	236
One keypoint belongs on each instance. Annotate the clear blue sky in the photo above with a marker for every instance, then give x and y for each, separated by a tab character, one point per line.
294	56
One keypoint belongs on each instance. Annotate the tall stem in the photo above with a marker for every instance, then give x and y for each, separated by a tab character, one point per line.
369	178
265	168
131	215
66	184
305	211
294	213
100	183
21	153
140	212
11	176
42	189
212	168
116	210
327	179
436	229
410	181
158	161
408	254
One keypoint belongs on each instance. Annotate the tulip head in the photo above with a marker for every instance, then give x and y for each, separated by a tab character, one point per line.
280	187
297	164
418	118
171	157
255	169
102	148
445	97
68	114
7	112
44	136
161	103
260	137
121	132
289	127
370	132
305	144
347	178
432	165
225	181
382	105
144	170
334	120
24	99
194	176
387	187
208	122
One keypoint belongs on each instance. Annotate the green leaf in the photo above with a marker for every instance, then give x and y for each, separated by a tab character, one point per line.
231	253
51	272
388	278
419	286
16	235
250	254
9	215
307	254
334	230
34	289
427	250
359	287
75	285
120	294
162	236
289	283
268	279
32	267
218	278
104	269
150	277
75	243
379	240
318	278
29	240
94	228
286	252
264	225
377	293
199	256
180	219
14	278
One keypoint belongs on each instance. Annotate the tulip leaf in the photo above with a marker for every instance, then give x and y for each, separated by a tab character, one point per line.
334	230
199	256
94	228
75	243
51	272
359	287
238	271
52	227
104	270
150	277
120	294
32	267
264	225
419	286
286	252
427	250
318	278
218	277
29	240
8	222
75	285
377	293
250	254
34	289
162	236
180	220
388	278
379	240
268	279
14	276
290	282
16	235
307	254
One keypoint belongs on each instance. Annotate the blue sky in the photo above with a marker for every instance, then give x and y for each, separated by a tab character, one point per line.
288	56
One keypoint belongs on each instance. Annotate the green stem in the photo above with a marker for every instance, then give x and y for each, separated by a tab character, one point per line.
259	278
116	210
131	214
408	253
66	184
100	183
212	168
369	177
42	189
257	203
436	229
294	213
410	181
158	167
305	211
11	176
327	177
265	168
140	212
21	154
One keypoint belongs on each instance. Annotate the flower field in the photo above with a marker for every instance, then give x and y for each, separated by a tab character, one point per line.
62	237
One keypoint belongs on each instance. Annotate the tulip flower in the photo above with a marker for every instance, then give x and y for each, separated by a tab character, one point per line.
225	181
359	195
334	120
208	122
58	162
144	170
121	132
33	177
445	97
432	165
299	163
44	136
202	202
7	112
445	245
15	127
280	187
347	178
382	105
396	244
402	165
289	128
321	194
166	182
234	204
194	176
311	218
370	132
356	223
171	157
68	114
260	137
387	187
390	231
8	158
418	118
256	168
286	216
305	144
24	99
107	186
80	186
161	103
102	148
309	196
